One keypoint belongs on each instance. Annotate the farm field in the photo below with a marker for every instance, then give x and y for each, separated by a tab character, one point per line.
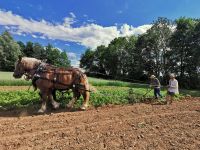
115	119
6	79
19	94
138	126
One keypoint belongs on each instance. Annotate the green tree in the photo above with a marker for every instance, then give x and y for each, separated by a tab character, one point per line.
63	60
28	51
116	58
56	57
38	51
193	57
133	64
87	60
9	52
182	49
22	47
99	61
154	46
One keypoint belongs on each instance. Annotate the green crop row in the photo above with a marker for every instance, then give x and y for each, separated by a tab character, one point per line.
104	95
14	83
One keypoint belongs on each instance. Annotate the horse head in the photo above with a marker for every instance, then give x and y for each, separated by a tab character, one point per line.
25	65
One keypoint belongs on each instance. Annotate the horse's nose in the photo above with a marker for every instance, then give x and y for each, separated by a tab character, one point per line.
14	75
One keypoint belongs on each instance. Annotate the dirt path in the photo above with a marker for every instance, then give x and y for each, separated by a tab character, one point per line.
139	126
14	88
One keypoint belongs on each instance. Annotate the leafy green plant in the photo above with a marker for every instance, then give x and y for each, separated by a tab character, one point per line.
14	83
134	97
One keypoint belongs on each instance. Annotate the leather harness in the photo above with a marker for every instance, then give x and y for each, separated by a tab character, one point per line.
42	68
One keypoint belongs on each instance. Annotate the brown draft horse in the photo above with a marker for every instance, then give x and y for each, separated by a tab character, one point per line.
48	78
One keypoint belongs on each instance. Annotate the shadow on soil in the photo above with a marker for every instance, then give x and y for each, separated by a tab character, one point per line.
33	111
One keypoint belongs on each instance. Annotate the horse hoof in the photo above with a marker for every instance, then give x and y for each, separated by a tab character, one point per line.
41	111
69	105
83	107
56	106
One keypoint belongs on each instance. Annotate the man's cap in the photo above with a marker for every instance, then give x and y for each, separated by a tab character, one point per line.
152	76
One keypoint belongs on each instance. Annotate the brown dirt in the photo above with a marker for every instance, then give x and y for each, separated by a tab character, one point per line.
14	88
139	126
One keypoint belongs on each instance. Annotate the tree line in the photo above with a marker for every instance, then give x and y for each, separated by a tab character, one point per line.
10	50
167	47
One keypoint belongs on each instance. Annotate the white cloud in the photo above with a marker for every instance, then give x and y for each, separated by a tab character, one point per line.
42	37
71	55
91	20
67	44
59	49
7	27
89	35
127	30
34	36
75	63
68	21
74	59
72	15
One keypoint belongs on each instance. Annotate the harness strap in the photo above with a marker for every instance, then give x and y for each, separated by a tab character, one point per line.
78	86
41	68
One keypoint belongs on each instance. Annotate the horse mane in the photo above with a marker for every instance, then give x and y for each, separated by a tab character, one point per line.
30	63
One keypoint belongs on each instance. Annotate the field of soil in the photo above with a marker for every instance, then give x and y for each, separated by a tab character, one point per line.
139	126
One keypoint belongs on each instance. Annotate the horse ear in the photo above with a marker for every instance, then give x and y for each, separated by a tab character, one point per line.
20	57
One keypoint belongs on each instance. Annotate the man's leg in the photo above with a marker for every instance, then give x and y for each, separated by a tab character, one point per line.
167	97
172	98
159	93
156	93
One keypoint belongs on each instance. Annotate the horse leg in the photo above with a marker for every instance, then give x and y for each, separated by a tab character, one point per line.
86	96
53	102
40	96
71	103
54	94
74	99
44	105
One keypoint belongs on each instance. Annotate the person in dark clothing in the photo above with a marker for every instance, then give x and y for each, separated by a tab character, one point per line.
155	83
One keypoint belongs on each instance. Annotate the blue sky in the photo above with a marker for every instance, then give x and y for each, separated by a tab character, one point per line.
75	25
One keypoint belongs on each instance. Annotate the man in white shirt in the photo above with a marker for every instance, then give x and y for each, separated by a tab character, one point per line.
172	89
